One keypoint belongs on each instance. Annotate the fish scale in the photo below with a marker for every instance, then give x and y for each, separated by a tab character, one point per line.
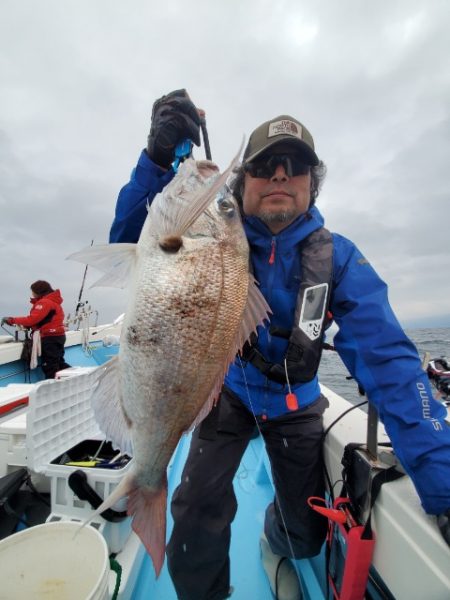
198	316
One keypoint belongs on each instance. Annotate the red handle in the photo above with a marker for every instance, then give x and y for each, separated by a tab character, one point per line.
330	513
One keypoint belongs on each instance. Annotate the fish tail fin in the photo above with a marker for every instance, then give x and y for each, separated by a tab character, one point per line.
148	508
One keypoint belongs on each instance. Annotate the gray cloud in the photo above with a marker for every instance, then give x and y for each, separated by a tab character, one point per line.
370	80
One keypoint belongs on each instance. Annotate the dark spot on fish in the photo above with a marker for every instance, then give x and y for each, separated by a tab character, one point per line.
191	307
132	336
185	313
135	339
171	243
182	308
179	389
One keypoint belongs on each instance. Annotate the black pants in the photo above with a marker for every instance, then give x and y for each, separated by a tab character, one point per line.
204	504
52	355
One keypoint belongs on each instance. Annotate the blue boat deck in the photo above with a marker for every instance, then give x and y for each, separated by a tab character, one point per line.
253	488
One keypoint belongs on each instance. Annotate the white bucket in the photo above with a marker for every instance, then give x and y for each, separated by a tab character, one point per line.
47	562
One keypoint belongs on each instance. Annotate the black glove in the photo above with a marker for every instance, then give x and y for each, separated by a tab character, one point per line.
443	521
174	118
6	320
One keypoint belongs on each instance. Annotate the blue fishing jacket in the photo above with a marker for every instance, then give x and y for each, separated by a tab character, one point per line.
370	341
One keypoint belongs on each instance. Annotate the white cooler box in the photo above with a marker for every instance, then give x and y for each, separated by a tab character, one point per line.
13	426
60	421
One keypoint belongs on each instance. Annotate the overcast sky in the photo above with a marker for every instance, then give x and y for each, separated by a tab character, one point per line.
370	80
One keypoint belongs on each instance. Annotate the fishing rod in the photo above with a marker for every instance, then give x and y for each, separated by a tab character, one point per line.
83	281
202	115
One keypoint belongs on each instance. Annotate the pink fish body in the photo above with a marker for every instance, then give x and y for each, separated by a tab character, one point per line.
193	304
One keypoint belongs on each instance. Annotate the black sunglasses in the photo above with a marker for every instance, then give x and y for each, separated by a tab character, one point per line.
265	167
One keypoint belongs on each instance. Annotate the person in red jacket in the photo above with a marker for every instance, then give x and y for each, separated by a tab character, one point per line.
47	317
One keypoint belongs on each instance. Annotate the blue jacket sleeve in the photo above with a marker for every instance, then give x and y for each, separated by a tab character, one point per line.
147	180
385	362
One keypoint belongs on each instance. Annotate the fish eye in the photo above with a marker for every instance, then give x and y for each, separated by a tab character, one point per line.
225	205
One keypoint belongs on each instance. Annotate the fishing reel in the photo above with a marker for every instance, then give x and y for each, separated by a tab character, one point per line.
438	371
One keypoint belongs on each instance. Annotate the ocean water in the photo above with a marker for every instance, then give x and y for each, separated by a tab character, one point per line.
334	374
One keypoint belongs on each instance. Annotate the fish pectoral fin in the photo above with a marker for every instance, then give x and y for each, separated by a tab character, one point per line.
148	509
256	311
107	405
115	260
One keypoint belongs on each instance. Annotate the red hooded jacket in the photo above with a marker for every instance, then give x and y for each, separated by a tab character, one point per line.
48	309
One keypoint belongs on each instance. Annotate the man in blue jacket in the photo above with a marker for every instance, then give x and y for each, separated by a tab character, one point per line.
304	272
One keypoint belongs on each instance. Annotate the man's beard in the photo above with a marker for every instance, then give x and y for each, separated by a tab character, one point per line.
269	217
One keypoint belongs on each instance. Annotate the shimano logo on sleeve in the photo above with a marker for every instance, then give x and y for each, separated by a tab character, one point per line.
426	409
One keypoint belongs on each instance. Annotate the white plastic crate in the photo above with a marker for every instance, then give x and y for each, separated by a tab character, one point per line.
60	416
73	371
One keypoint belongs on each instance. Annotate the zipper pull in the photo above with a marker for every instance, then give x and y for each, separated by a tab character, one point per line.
291	401
272	253
291	398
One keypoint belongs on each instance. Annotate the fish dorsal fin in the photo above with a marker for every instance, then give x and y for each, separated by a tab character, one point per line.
107	406
115	260
256	311
174	217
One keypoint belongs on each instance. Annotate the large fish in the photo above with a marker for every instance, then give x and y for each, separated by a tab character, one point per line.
193	304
